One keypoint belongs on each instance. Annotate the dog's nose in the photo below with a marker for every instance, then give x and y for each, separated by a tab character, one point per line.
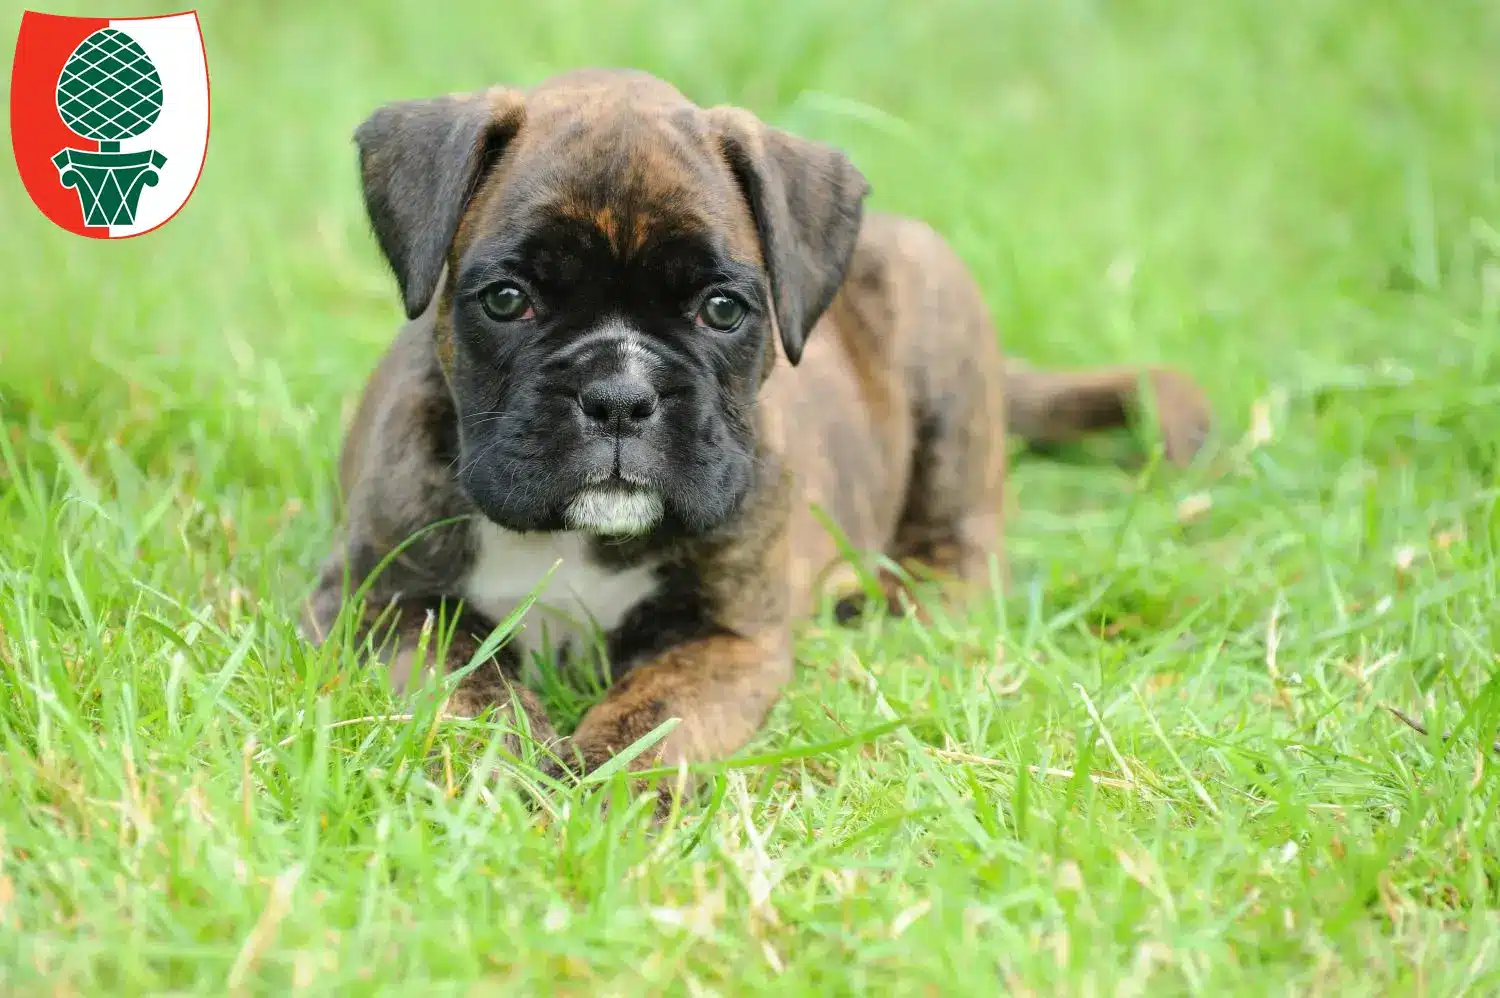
619	400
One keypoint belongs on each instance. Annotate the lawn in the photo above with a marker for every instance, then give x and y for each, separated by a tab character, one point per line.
1167	763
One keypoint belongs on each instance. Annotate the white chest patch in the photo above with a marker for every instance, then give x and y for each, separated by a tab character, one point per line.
581	598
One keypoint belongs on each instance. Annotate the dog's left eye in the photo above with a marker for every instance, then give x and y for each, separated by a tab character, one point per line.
505	303
721	312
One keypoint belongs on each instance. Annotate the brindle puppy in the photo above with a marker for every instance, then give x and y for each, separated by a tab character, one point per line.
646	338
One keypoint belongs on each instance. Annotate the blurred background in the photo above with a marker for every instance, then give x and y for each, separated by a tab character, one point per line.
1295	201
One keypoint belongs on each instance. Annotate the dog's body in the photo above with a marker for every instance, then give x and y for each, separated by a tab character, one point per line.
672	460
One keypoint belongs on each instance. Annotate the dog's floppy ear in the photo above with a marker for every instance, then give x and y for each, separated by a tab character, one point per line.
807	200
420	162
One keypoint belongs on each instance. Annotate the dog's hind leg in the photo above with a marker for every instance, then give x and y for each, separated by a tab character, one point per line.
952	522
947	538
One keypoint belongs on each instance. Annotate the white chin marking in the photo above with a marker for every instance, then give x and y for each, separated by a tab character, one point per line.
614	512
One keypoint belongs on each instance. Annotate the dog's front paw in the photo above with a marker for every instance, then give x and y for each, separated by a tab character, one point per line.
593	745
567	762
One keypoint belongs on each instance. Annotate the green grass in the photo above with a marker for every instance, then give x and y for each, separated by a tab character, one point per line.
1162	766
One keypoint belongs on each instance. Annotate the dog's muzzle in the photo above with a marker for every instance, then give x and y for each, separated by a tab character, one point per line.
619	407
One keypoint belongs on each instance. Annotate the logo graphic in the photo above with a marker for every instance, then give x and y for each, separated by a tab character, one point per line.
109	119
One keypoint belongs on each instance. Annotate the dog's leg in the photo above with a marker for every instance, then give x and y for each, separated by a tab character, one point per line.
408	637
951	527
720	689
940	558
952	518
1047	408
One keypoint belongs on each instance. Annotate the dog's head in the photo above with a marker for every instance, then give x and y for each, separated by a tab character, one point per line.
619	264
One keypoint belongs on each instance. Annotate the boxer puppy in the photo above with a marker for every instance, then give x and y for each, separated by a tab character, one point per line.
652	341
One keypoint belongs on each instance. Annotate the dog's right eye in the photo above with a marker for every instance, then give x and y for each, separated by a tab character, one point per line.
505	303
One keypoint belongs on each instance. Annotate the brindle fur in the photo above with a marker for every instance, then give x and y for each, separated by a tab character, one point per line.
887	404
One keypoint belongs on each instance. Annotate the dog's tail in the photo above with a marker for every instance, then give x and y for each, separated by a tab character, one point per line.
1048	408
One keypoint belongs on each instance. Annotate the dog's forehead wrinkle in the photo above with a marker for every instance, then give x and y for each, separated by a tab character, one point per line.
634	173
624	157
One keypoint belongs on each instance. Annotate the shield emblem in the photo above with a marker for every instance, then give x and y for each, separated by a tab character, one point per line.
109	119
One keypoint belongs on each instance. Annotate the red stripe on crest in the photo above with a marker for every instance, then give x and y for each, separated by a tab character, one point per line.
37	132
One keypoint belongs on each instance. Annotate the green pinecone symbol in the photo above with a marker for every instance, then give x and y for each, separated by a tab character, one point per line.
109	91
